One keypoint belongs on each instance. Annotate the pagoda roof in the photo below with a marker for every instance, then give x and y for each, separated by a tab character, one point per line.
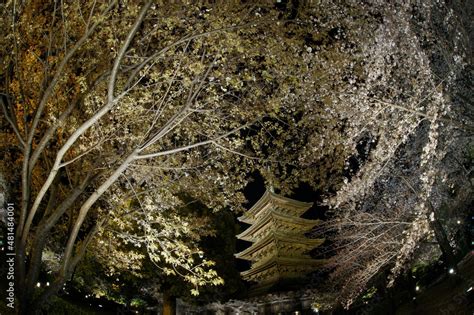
272	200
277	267
280	241
288	223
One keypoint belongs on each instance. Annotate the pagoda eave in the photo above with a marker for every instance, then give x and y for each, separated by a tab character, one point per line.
299	207
276	264
279	240
303	225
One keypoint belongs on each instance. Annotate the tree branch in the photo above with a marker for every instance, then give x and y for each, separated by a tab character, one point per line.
191	146
59	72
183	40
431	118
123	49
50	132
173	121
235	152
11	121
39	240
88	204
84	127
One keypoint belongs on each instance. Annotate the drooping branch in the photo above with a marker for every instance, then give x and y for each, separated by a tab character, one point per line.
433	220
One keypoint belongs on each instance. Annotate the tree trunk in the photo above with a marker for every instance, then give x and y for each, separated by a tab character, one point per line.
442	238
169	304
20	280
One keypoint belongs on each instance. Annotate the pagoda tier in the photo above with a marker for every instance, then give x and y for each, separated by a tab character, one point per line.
280	249
270	200
273	220
277	242
277	268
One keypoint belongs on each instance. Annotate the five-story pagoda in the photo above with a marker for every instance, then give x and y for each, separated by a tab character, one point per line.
280	248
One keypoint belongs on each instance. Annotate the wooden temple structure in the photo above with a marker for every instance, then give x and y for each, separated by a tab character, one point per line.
280	249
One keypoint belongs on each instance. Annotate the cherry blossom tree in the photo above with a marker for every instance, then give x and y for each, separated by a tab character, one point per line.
405	128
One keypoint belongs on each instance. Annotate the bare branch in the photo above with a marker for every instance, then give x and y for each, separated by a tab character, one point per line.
123	50
50	132
235	152
160	107
90	14
191	146
11	121
63	164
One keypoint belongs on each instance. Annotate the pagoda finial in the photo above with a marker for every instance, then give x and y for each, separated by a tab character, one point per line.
270	180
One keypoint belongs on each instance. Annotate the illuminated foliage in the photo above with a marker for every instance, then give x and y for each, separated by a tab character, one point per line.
119	108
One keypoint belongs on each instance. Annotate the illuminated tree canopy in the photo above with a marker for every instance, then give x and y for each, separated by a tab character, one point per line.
128	127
